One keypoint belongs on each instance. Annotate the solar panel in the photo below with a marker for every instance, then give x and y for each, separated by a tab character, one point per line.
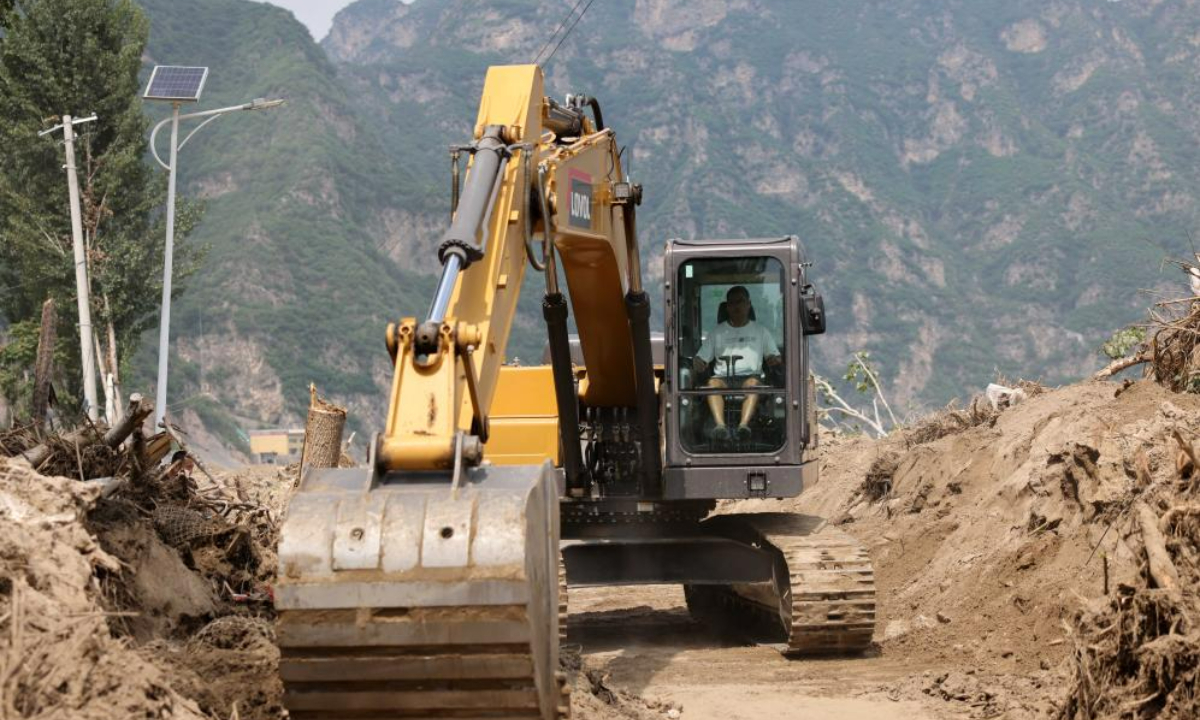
179	84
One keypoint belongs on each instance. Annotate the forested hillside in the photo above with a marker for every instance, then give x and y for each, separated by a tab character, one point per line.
983	187
295	289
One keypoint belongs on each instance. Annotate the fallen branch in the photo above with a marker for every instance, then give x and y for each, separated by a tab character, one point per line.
1120	364
843	407
39	454
878	391
1162	570
139	410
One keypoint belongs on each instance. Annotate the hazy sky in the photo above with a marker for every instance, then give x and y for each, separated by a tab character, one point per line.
316	14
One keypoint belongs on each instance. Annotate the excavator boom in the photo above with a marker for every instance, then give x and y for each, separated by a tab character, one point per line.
427	583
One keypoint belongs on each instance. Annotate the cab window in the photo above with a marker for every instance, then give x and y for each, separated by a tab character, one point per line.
731	344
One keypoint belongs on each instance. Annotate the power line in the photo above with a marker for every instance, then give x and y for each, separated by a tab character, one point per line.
568	32
554	34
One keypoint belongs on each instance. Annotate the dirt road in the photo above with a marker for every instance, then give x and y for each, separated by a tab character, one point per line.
643	640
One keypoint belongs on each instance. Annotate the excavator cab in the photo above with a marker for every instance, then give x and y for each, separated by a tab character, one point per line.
736	378
732	388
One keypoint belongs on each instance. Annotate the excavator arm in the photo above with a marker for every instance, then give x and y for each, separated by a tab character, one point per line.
425	584
527	184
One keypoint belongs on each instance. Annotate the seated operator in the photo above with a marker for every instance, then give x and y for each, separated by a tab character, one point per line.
739	346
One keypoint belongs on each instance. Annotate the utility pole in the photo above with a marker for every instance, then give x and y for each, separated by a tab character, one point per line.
87	347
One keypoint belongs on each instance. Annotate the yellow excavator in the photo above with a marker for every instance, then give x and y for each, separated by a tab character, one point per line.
432	582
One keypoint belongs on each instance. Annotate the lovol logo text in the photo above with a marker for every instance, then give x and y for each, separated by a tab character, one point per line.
580	211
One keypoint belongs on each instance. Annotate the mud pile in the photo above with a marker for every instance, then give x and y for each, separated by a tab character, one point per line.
58	656
595	697
150	600
989	536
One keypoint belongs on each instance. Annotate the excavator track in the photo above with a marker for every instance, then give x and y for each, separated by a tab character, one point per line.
562	600
821	600
564	681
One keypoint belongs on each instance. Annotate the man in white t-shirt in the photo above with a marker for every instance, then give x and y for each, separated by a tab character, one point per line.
737	350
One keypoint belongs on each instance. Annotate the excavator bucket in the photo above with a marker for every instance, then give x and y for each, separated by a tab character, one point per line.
415	598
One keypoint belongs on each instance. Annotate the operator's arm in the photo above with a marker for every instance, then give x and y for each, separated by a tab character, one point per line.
770	349
704	355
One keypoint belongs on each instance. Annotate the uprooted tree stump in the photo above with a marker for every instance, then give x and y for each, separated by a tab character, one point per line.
323	433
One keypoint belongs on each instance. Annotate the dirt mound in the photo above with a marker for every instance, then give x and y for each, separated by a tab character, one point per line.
58	657
151	601
986	538
595	697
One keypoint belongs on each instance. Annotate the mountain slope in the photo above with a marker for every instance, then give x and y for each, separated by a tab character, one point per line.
295	289
982	188
977	184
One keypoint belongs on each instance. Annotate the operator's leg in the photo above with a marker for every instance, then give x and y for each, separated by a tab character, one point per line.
716	405
750	403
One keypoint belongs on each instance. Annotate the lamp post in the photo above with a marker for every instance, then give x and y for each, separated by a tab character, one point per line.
178	85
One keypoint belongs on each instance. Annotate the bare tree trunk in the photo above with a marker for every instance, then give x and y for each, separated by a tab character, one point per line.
44	366
113	366
322	433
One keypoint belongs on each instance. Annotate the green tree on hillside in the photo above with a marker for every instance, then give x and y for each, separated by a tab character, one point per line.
78	57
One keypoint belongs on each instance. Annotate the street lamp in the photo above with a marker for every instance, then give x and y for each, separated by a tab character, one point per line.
178	85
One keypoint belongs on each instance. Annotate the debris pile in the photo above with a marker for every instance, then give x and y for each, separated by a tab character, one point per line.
1173	348
989	527
982	409
58	656
140	591
1167	342
1137	650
